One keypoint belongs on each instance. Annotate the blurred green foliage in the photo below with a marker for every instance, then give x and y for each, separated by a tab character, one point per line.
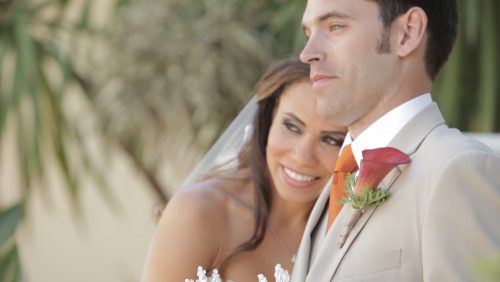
35	72
9	258
488	269
468	88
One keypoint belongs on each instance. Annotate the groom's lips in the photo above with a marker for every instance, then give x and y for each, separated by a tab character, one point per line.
319	79
297	183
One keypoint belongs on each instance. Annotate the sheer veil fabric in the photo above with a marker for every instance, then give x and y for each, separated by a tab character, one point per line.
226	148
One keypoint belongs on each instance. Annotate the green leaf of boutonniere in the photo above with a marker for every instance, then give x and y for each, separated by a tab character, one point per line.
369	197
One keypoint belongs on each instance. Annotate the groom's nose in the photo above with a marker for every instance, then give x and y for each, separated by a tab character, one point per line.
312	51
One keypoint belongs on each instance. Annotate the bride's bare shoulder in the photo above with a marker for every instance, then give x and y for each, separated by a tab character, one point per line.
198	204
193	230
217	194
200	225
208	203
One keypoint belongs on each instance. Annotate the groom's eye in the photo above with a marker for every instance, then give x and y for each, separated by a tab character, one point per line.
335	27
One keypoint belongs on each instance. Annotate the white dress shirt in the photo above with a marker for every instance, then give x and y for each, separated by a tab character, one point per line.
382	131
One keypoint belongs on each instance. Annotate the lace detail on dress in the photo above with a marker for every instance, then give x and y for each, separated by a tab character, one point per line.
280	275
202	277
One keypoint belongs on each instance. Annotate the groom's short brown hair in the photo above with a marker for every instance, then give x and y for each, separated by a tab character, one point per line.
442	26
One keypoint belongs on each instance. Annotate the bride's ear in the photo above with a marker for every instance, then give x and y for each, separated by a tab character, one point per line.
411	31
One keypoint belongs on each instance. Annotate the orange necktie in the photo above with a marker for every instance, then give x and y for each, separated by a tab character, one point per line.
346	163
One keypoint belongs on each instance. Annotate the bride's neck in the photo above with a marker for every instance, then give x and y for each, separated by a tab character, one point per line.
288	215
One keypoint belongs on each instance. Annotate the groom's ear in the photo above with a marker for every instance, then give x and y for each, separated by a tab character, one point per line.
411	31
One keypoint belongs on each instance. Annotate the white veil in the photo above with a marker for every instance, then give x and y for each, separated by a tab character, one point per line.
229	143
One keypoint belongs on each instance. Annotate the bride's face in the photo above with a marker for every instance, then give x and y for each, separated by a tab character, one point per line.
302	147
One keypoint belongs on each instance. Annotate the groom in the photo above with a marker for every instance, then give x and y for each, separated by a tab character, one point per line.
373	63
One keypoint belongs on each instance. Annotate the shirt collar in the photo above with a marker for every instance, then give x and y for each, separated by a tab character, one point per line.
382	131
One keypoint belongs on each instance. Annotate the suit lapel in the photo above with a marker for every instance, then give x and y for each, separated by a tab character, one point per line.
301	266
329	260
414	133
407	140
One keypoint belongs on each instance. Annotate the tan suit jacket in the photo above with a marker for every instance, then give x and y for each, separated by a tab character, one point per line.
441	219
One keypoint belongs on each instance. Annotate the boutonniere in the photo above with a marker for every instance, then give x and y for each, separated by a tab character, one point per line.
363	192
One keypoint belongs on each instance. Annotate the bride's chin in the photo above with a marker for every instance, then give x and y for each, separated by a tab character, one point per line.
298	196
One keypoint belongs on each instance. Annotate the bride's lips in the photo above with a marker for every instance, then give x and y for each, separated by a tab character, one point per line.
297	179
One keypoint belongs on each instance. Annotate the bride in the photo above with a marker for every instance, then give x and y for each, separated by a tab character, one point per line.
245	216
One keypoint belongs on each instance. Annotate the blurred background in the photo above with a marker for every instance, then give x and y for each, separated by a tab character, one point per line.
106	105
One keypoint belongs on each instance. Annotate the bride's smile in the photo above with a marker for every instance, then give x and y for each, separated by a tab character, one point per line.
301	179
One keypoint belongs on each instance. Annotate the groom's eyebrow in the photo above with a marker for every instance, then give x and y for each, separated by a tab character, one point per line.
326	16
333	14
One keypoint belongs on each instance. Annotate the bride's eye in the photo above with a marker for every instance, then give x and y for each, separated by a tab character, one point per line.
290	126
330	140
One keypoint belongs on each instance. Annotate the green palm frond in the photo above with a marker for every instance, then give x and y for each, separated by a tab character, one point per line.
9	258
35	72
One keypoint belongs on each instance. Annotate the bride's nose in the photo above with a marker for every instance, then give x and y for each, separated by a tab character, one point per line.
304	151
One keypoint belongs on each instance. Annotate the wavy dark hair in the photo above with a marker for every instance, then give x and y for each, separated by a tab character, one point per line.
268	91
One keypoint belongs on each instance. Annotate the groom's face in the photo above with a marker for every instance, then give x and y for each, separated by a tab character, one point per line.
349	52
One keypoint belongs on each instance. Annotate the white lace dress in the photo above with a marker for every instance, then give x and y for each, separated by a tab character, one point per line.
280	275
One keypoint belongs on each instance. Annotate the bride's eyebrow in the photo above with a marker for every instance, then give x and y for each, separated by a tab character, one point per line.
296	118
293	116
343	133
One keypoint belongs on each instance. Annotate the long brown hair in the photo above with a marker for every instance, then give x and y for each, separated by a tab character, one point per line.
268	91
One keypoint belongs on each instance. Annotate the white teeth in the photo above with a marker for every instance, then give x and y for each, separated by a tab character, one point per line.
299	177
